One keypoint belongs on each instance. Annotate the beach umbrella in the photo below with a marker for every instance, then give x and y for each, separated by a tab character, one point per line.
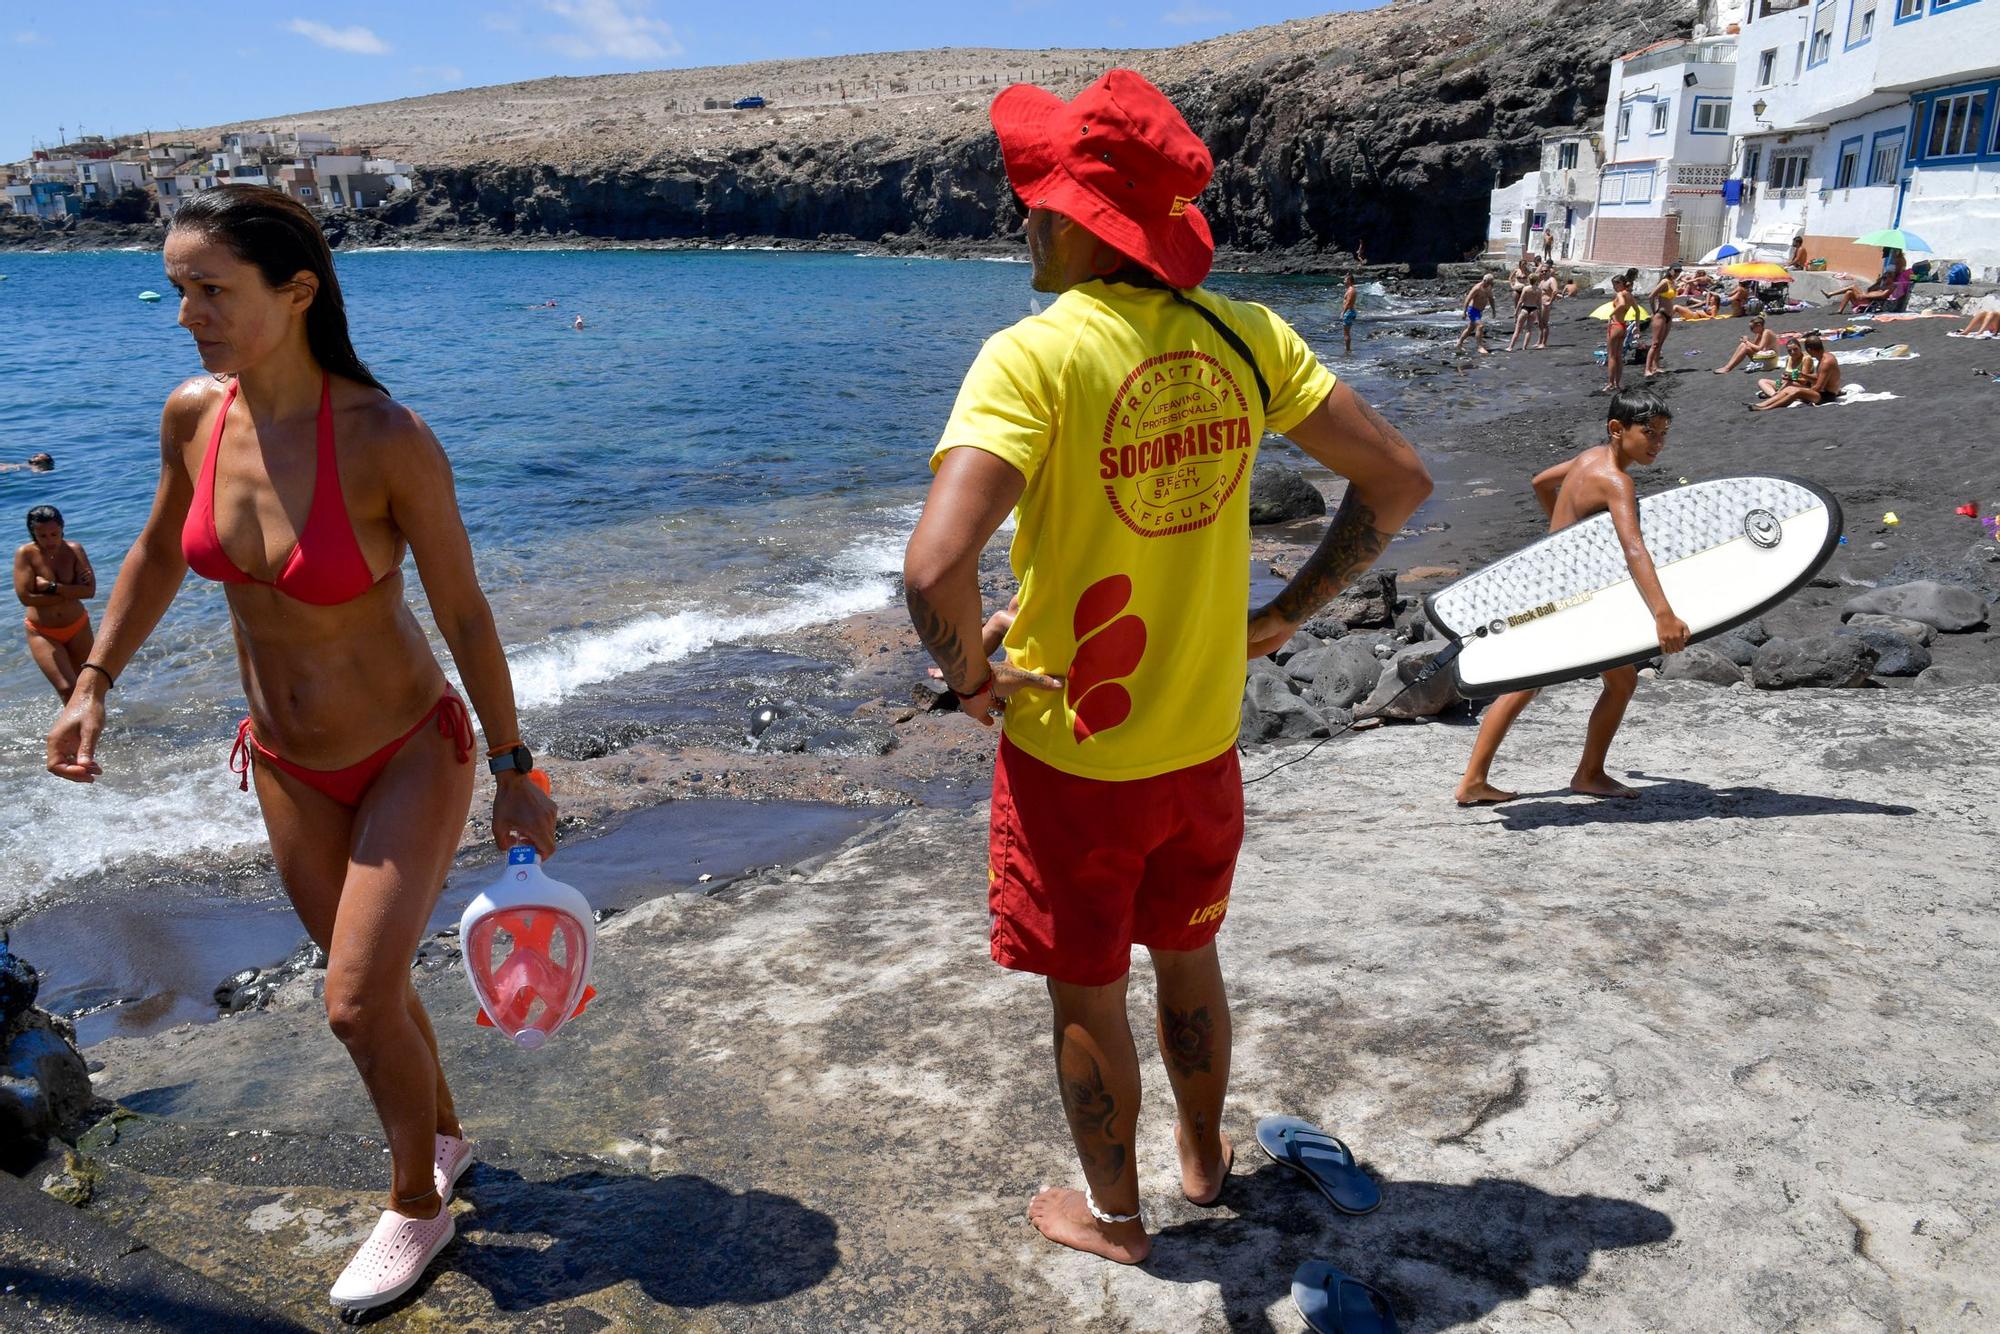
1894	238
1759	272
1721	252
1603	312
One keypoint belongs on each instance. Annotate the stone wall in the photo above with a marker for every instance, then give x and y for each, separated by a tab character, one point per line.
1646	242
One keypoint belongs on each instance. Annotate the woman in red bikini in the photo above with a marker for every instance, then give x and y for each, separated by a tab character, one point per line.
53	579
289	475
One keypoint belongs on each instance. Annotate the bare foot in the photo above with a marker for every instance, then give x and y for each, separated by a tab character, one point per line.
1720	371
1482	794
1202	1183
1600	784
1061	1215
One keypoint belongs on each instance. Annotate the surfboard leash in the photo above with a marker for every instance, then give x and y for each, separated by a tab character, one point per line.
1430	669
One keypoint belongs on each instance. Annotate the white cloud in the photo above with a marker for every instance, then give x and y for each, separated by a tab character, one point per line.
1192	13
30	39
616	28
439	73
356	40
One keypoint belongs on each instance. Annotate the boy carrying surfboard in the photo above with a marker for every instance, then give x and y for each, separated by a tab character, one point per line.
1596	481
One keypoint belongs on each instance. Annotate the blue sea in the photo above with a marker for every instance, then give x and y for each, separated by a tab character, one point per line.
734	446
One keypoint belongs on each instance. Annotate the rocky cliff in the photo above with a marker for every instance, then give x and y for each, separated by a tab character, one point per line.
1387	127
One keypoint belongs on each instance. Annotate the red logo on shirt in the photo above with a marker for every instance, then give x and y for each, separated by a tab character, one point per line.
1177	444
1106	649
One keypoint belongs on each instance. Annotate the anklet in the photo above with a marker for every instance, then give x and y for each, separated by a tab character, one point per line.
1091	1204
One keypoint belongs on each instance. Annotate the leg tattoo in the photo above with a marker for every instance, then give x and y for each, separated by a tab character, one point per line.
1190	1038
1091	1110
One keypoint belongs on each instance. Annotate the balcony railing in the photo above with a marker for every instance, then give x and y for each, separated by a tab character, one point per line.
1685	53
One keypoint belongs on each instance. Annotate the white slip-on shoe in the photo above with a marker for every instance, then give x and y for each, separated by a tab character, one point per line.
391	1261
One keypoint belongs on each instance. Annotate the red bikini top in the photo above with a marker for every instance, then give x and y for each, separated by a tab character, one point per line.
326	567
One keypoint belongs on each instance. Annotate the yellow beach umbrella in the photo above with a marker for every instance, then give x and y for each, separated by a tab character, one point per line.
1759	272
1603	312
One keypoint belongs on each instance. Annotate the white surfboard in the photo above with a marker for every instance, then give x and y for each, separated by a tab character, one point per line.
1566	606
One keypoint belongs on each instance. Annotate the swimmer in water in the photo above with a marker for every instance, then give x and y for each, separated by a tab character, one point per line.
577	324
53	579
35	463
289	475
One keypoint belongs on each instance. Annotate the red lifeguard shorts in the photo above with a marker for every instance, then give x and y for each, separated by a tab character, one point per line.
1082	869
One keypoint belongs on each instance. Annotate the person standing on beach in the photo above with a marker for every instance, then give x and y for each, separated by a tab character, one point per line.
53	579
1527	309
1551	291
288	474
1664	293
1478	301
1348	300
1522	277
1120	427
1624	310
1595	481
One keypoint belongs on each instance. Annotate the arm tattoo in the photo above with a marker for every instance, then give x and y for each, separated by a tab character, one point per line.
1189	1038
1350	546
1091	1110
940	636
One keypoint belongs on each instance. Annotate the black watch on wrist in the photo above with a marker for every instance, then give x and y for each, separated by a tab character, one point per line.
518	760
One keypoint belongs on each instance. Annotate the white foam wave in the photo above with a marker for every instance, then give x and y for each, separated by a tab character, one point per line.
165	806
862	578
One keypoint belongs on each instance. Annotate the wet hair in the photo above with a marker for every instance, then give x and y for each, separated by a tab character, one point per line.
43	462
279	235
1636	407
43	514
1631	276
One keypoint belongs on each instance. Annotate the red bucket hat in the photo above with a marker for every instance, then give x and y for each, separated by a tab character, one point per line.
1121	161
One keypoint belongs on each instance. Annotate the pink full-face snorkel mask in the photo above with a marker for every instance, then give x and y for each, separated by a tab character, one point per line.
528	943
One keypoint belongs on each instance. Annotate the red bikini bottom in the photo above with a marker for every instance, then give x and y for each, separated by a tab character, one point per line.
347	786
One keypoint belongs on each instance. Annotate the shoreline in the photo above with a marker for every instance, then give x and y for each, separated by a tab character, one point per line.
89	237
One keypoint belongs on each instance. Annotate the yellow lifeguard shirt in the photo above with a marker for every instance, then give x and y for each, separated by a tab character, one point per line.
1136	427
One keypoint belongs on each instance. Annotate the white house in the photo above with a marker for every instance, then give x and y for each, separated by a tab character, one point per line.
1861	114
1557	198
1667	151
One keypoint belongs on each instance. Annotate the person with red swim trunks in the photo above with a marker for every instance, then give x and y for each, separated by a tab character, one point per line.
1120	426
291	476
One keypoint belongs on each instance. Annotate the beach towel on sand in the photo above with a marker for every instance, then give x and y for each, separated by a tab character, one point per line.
1899	352
1854	393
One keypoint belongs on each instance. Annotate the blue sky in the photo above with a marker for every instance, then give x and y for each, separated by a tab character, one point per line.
125	66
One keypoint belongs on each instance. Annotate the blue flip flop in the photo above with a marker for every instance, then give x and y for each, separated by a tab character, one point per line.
1322	1160
1337	1303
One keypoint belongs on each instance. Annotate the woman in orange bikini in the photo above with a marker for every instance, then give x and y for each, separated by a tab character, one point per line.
53	579
289	475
